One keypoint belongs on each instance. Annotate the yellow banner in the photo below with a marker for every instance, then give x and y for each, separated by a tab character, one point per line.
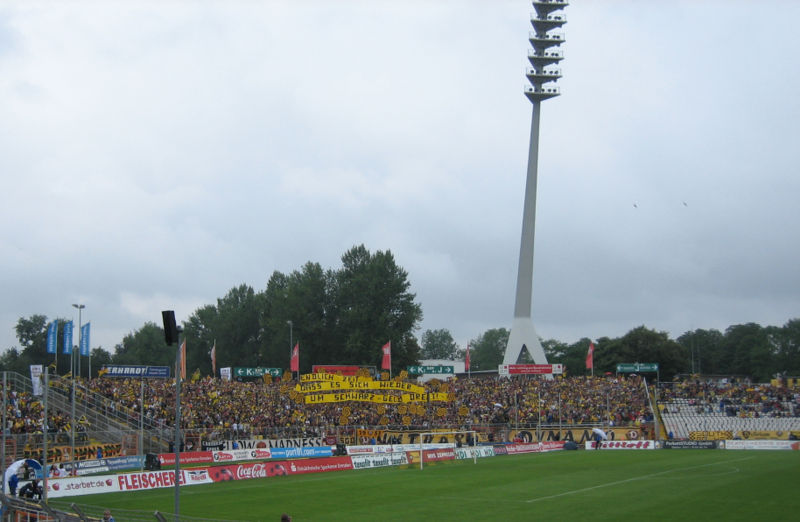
407	437
328	377
320	398
426	397
711	435
378	398
360	384
767	435
577	435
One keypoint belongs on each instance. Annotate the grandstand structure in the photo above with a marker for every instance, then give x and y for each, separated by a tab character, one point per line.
722	411
498	409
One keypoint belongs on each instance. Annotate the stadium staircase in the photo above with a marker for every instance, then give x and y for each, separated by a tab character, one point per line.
104	421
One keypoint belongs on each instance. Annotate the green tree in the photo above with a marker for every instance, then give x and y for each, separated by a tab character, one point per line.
100	358
32	336
236	328
307	308
10	361
438	344
749	351
704	351
301	298
787	358
145	346
371	304
640	345
572	356
200	331
487	351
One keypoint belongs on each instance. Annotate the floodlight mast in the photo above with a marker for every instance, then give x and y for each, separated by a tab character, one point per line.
545	39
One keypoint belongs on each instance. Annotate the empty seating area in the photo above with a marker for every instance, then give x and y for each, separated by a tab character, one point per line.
740	408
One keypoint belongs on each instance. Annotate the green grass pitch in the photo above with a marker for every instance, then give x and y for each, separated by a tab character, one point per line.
566	485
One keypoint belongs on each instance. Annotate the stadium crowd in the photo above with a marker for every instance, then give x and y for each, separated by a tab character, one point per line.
734	399
243	409
255	407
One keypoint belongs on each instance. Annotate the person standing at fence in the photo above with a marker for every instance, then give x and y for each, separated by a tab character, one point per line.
13	481
107	516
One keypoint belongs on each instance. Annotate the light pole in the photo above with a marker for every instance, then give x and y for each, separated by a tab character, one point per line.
80	308
291	352
543	57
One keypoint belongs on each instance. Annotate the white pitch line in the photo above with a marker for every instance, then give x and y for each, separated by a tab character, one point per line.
574	491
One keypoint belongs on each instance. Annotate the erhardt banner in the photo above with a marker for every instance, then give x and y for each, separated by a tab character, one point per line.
134	371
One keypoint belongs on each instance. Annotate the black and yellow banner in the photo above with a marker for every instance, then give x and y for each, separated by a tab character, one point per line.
357	384
574	434
408	437
378	398
711	435
317	387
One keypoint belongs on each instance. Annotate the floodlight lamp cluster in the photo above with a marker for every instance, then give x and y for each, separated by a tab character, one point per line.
546	37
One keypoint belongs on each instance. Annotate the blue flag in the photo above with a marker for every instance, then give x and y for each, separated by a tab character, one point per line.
67	337
85	339
52	333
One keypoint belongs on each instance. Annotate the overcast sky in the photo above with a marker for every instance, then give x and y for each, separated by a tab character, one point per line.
156	154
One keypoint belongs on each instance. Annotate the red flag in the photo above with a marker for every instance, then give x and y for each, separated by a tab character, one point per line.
214	359
386	364
183	360
294	364
590	357
466	360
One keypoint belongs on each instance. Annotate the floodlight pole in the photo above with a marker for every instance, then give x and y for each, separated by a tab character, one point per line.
45	431
178	428
80	308
291	350
542	59
5	405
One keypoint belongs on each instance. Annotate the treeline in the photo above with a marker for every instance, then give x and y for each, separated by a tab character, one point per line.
345	315
745	350
338	316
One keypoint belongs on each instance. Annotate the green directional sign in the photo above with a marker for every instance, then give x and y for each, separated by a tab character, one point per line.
257	372
419	370
637	367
